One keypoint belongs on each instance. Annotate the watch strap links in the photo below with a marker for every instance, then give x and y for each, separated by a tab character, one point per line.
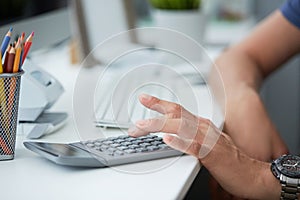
290	188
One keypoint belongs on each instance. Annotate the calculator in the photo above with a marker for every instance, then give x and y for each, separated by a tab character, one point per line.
104	152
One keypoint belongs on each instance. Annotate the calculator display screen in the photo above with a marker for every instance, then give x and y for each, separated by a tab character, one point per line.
63	150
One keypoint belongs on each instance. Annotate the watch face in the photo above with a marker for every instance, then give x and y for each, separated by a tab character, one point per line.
289	165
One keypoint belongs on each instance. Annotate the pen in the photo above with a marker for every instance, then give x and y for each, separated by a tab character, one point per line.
27	46
5	41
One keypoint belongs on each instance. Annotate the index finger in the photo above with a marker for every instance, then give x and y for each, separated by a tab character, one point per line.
165	107
179	126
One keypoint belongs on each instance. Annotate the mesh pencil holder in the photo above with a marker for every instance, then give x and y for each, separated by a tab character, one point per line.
9	104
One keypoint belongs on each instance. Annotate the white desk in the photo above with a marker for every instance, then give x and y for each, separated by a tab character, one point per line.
29	176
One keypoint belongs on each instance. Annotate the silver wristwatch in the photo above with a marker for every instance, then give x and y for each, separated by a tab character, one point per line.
287	169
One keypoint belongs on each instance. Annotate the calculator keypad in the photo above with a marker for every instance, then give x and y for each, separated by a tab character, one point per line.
122	145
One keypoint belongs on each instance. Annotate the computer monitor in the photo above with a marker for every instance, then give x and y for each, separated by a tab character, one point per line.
49	19
91	27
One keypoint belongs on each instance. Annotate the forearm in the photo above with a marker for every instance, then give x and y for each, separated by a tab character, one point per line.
258	55
238	71
245	115
250	178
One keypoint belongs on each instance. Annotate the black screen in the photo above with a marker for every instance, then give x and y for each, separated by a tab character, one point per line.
15	10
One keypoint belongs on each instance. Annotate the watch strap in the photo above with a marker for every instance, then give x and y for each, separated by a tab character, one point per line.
290	188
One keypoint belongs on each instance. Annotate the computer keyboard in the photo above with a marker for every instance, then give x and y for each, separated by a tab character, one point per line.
125	149
117	104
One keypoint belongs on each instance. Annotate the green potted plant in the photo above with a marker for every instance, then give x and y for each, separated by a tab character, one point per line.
176	4
185	16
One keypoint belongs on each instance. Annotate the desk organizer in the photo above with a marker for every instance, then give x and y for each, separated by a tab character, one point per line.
9	104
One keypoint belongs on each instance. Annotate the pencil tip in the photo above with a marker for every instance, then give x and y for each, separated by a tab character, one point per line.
32	34
11	29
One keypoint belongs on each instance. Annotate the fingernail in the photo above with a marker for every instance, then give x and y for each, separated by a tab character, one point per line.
145	97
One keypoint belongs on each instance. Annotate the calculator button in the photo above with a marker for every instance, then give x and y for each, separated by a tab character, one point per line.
163	146
152	148
90	145
137	141
111	149
145	144
130	139
133	146
126	143
115	145
141	150
155	143
119	140
104	146
121	148
130	151
98	148
143	137
108	142
149	140
97	143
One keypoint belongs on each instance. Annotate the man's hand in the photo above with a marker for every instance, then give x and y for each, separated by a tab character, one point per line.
236	172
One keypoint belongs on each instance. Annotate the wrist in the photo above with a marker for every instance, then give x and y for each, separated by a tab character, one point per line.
241	175
271	187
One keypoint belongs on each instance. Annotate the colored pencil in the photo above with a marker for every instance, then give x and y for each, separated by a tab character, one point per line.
6	59
5	41
17	56
1	66
27	46
13	55
5	147
22	49
10	60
